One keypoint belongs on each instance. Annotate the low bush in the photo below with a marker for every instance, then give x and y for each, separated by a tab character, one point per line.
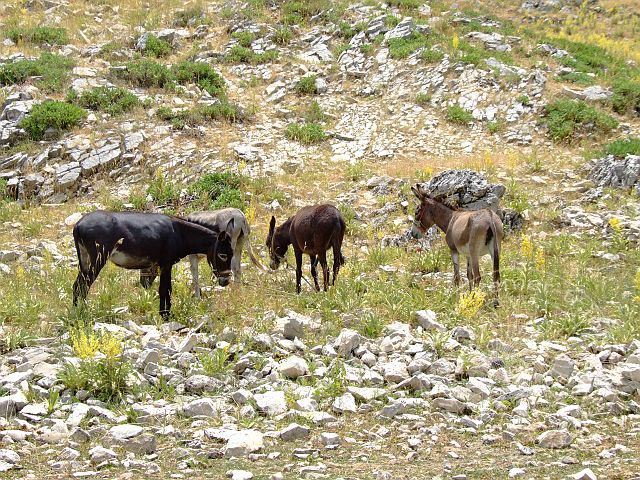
430	55
52	114
156	47
565	119
240	54
314	113
38	35
403	47
306	133
113	101
578	78
626	96
53	71
162	190
622	148
244	38
146	73
190	16
219	190
202	75
283	35
458	115
222	110
423	98
307	85
496	126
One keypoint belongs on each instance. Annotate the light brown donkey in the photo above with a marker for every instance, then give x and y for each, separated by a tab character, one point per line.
473	233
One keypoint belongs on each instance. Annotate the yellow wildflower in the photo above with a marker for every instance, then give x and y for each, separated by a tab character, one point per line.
526	247
110	345
470	303
455	42
540	260
615	224
84	345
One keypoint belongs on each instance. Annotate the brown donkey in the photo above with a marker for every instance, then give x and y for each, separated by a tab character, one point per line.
471	233
313	230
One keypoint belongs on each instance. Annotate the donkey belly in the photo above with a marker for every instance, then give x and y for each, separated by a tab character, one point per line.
130	262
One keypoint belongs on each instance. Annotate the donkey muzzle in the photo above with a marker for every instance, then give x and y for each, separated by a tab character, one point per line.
416	231
224	278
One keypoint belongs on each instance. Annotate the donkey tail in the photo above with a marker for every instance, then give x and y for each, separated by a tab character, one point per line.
496	249
246	231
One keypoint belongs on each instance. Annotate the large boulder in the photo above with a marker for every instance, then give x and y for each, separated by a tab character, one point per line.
464	189
618	173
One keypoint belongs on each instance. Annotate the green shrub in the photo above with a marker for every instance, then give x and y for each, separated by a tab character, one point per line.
190	16
406	4
496	126
162	190
156	47
113	101
53	70
202	75
458	115
38	35
146	73
430	55
297	11
307	133
403	47
314	113
283	35
307	85
391	21
222	110
622	148
566	118
423	98
245	38
103	378
626	96
219	190
52	114
578	78
240	54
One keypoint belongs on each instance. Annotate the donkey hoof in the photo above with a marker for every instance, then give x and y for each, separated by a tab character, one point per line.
496	303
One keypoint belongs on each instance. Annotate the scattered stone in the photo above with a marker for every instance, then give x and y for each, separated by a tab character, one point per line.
555	439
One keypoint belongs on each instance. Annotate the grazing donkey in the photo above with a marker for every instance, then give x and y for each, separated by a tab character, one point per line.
146	241
472	233
216	220
313	230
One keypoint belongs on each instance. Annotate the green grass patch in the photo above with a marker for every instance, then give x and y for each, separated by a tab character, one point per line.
579	78
314	113
626	96
283	35
38	35
189	17
219	190
423	98
305	133
405	4
566	119
53	71
202	75
146	73
429	55
307	85
222	110
156	47
240	54
622	148
496	126
52	114
403	47
245	38
458	115
113	101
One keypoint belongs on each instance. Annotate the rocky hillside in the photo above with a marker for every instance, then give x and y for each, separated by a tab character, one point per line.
528	107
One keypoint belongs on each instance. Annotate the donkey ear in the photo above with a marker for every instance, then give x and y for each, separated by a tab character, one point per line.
416	191
223	236
230	226
272	224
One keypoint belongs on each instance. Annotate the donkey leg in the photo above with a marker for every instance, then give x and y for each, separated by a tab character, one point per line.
195	278
469	273
165	292
495	257
314	271
87	275
455	256
237	259
475	265
322	257
338	259
298	254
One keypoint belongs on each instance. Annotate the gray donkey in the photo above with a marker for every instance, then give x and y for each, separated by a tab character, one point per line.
217	220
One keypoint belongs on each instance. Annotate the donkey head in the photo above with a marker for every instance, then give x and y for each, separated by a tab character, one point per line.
277	249
423	219
220	256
